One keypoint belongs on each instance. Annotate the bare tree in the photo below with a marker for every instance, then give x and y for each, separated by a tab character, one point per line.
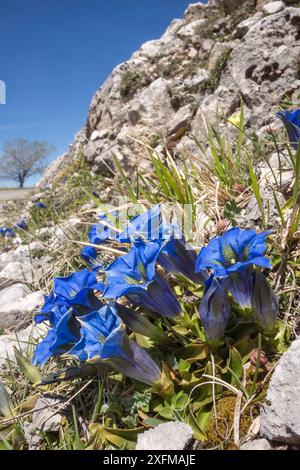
21	159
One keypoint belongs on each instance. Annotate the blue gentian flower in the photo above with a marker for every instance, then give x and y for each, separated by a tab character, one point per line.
130	359
264	303
147	225
89	255
95	327
7	232
134	276
176	256
76	290
53	309
98	337
291	120
103	231
232	251
21	224
39	205
214	308
58	339
233	255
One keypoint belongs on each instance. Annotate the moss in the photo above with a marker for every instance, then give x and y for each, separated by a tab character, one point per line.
225	411
212	83
131	82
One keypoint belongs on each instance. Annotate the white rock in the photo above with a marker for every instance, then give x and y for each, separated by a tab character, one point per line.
181	122
280	418
24	340
11	293
273	7
94	135
256	444
167	436
11	313
16	271
243	27
191	29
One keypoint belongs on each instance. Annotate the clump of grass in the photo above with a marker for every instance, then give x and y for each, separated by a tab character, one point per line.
212	82
131	82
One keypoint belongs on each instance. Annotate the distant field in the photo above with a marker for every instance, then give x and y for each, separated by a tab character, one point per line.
7	194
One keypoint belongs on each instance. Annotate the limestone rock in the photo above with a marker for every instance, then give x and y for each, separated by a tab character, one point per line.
167	436
280	417
12	293
273	7
22	340
17	310
256	444
189	66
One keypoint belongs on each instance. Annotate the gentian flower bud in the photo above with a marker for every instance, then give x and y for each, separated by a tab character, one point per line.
264	303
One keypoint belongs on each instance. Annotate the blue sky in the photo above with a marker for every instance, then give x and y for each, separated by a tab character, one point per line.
56	53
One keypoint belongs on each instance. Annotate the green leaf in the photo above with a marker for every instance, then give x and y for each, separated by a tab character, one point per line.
30	371
192	352
6	405
121	438
179	401
153	422
197	431
256	191
235	365
203	417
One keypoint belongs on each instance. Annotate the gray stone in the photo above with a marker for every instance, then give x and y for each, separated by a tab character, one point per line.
23	340
46	417
12	293
166	74
16	272
181	122
256	444
273	7
280	417
167	436
243	27
20	309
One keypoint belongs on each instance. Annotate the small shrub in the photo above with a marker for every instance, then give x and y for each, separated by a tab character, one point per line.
212	83
131	82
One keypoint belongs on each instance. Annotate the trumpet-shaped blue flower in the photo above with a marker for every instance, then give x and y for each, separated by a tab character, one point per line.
76	290
98	337
40	205
233	251
21	224
134	275
147	225
233	255
89	255
176	256
95	327
214	308
58	339
103	231
7	232
264	303
130	359
291	120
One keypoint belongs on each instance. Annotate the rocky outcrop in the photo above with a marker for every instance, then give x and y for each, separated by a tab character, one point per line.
167	436
204	64
280	417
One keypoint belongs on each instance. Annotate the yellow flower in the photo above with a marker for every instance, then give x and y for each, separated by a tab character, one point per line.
235	119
